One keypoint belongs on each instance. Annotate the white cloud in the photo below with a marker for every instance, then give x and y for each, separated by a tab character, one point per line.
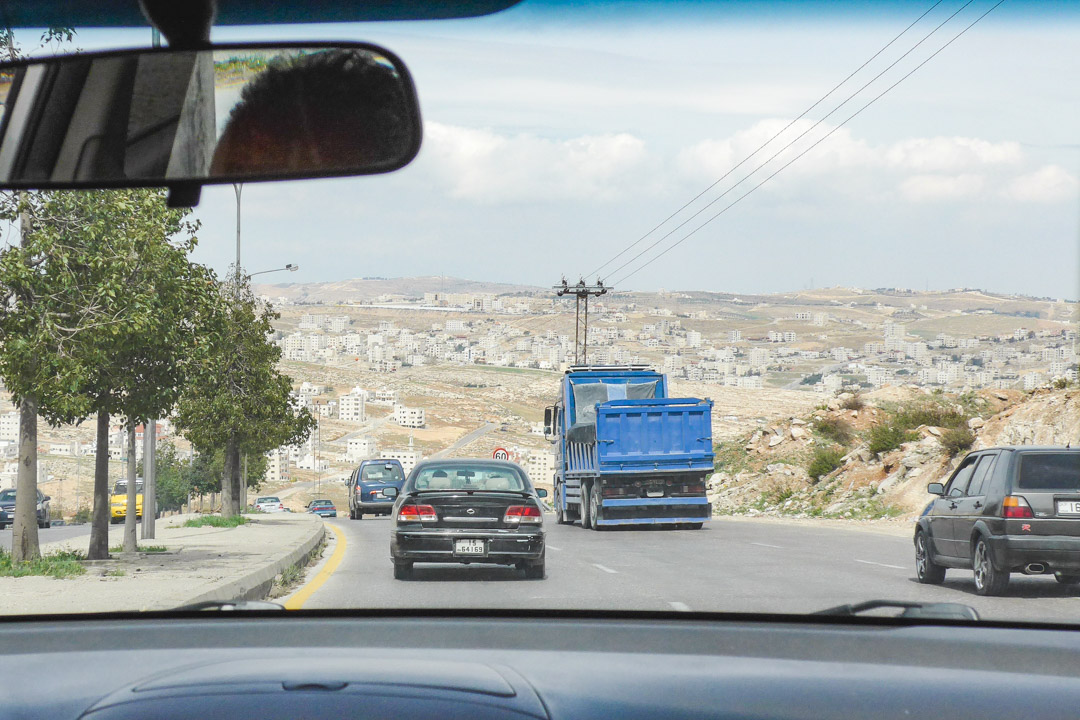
951	154
1048	184
935	188
485	167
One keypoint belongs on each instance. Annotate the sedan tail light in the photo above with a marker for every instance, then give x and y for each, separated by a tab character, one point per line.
416	513
1015	506
523	515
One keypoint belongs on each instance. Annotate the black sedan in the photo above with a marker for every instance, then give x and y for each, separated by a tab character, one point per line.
468	511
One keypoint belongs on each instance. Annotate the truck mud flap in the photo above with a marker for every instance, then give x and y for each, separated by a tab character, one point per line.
646	511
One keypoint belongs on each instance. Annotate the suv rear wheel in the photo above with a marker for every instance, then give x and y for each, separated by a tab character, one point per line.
928	571
1067	578
988	579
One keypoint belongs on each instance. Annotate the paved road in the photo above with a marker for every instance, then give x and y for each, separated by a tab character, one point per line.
728	566
466	439
47	535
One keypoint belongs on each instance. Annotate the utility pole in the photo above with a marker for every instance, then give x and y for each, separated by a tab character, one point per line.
581	293
149	479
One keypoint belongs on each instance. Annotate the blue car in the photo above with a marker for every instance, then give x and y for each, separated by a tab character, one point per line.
373	487
324	509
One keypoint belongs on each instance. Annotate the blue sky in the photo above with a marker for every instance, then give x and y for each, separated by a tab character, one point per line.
556	136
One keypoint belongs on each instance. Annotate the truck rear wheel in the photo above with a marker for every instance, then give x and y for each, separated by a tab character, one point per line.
586	514
595	512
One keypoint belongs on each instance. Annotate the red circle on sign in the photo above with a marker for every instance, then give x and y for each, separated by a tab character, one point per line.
500	454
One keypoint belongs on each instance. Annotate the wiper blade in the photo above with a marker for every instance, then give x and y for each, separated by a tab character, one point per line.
230	605
918	610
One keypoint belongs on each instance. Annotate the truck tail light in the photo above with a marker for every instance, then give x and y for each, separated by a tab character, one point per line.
523	515
416	513
1015	506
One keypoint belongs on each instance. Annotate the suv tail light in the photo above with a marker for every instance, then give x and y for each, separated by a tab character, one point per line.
523	515
1015	506
416	513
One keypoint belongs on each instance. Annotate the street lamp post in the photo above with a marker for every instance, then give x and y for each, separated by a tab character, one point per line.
290	267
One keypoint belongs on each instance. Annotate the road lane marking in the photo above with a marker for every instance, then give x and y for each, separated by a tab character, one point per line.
767	545
871	562
605	569
552	547
681	607
302	595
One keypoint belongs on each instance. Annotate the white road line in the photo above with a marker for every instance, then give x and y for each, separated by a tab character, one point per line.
767	545
552	547
681	607
871	562
605	569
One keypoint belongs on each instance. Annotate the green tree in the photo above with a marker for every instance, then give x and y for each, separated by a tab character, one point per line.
238	400
105	313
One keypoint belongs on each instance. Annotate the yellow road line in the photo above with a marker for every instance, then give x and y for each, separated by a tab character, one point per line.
302	595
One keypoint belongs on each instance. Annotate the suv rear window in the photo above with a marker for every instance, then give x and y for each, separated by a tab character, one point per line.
1049	471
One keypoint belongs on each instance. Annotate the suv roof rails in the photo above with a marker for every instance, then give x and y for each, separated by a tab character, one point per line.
603	368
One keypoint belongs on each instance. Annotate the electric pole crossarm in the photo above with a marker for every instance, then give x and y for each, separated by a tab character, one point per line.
581	293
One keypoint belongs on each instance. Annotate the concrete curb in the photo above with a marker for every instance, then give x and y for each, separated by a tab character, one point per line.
255	584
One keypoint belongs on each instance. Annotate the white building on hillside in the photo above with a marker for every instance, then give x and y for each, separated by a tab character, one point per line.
351	406
360	448
409	417
407	458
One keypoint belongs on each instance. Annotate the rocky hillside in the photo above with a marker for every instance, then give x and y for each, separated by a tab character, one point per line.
871	456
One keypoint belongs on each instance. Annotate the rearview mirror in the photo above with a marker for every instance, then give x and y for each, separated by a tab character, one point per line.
935	489
184	118
390	492
548	415
541	493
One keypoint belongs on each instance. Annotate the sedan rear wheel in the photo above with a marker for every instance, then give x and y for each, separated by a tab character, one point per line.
926	570
1067	578
534	572
402	570
988	579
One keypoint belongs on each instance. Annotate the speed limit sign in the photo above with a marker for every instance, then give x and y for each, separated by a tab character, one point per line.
500	454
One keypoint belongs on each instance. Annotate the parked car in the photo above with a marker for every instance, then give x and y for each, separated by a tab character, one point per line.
269	504
7	509
369	485
323	508
1004	510
468	511
320	501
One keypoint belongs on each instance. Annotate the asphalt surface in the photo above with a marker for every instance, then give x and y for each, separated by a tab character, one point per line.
466	440
729	565
48	535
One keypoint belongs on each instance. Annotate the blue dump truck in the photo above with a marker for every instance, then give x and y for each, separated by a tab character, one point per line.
627	453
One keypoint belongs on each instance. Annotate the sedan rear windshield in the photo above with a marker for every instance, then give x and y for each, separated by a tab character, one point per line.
468	478
381	473
267	500
1050	471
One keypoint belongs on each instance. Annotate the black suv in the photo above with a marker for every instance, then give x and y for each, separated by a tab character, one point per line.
1004	510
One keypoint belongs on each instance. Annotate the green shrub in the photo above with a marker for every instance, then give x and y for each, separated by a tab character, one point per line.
824	461
61	564
81	516
957	440
884	438
929	414
216	521
836	429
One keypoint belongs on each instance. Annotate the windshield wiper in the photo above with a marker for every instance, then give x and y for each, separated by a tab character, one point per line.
229	605
918	610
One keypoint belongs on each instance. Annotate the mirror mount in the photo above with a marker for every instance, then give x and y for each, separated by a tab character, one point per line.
184	25
184	195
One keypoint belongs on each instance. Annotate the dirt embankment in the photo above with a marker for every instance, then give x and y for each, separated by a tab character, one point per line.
829	464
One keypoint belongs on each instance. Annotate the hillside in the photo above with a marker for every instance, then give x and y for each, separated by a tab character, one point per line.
366	289
872	456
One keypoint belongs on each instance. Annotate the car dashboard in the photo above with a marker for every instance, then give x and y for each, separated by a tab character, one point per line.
551	667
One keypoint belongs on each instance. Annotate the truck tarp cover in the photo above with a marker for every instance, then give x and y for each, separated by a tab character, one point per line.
588	395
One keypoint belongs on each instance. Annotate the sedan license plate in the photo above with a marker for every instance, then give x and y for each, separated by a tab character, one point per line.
1068	507
470	547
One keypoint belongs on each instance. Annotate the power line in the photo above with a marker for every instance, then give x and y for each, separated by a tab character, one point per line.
764	144
799	137
816	143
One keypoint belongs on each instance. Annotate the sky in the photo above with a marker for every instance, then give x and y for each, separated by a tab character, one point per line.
556	135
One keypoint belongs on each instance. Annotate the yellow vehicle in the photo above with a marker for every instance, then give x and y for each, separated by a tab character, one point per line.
118	501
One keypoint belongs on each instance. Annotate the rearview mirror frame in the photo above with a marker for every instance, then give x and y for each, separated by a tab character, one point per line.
936	489
184	191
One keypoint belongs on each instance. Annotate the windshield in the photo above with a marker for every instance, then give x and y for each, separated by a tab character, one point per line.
806	257
7	495
381	473
466	477
1050	471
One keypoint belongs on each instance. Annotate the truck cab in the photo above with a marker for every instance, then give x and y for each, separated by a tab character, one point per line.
627	454
374	486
